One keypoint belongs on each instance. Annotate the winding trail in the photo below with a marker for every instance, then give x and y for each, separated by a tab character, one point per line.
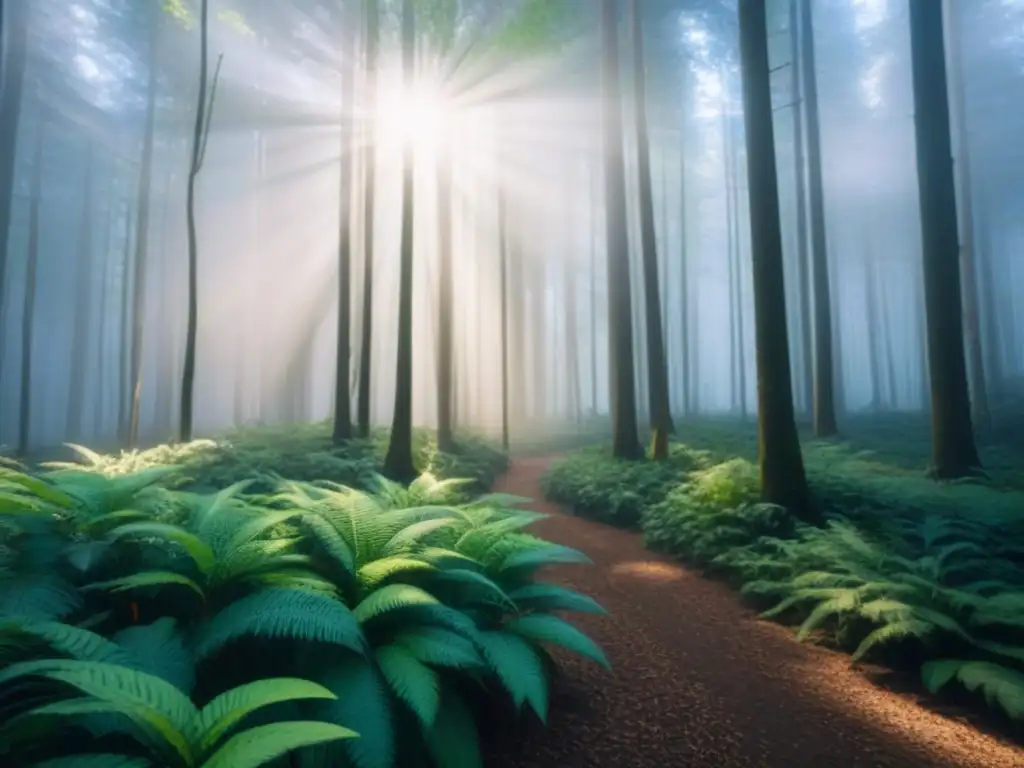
699	681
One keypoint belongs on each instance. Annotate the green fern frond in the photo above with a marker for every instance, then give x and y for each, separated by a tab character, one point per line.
147	579
227	710
519	668
552	554
440	647
200	553
262	744
549	597
544	628
453	741
1001	686
281	613
99	760
412	681
393	597
896	630
377	571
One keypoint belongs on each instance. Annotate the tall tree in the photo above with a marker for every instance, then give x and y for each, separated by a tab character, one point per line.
445	299
84	281
398	463
965	196
824	412
657	379
503	283
783	480
28	321
139	287
800	173
625	444
17	16
200	133
343	357
954	453
369	213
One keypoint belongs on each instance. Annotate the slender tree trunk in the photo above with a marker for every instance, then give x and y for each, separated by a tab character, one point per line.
28	323
142	233
886	330
124	363
17	16
783	480
824	366
81	339
729	176
102	347
684	277
369	215
572	345
445	326
503	281
594	211
398	463
625	444
657	378
871	313
800	172
198	140
953	449
737	240
343	355
968	269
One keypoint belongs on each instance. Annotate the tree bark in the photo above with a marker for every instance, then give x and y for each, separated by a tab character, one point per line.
80	336
398	463
369	218
625	444
954	453
824	366
445	327
803	257
968	269
28	322
657	378
142	234
342	430
783	480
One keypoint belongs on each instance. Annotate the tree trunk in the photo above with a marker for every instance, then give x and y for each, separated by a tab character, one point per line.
142	234
188	375
803	258
729	177
17	17
445	327
28	322
503	282
953	449
968	270
824	367
657	378
85	281
625	444
783	480
872	315
398	463
342	430
369	218
684	278
594	209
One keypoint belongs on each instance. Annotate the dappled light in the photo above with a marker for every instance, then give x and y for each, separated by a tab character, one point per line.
650	571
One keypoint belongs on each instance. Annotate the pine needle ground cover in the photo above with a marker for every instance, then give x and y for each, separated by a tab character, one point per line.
267	623
905	572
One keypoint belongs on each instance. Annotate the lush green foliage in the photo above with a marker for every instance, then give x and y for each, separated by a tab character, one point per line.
906	571
302	452
594	485
142	625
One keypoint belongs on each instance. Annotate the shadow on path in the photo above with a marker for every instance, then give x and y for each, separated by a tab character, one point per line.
698	680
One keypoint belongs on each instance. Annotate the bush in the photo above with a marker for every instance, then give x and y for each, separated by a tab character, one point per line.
599	487
159	626
303	452
914	573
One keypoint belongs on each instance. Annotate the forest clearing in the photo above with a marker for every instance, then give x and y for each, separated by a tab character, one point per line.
526	384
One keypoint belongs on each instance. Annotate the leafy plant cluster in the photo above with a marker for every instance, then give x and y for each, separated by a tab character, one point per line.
312	622
305	452
596	486
906	571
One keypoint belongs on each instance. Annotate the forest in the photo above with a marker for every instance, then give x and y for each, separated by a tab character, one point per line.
511	384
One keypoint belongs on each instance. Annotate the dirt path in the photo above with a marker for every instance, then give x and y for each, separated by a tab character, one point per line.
699	681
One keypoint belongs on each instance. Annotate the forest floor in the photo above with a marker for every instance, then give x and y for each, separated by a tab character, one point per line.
699	680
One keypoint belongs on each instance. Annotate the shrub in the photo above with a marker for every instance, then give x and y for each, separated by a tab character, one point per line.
148	623
597	486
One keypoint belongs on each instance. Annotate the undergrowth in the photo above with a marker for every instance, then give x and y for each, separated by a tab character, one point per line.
905	571
276	622
304	452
